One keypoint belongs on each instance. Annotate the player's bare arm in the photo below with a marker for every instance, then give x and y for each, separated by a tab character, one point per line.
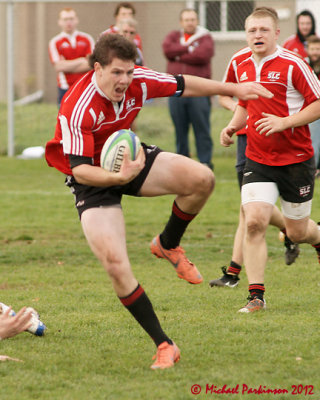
228	102
91	175
196	86
73	66
237	122
270	123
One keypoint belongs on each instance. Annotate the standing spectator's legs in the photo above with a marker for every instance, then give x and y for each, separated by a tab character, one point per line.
61	93
199	113
179	115
315	137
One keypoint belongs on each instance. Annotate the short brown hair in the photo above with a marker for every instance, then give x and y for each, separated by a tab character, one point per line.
124	4
188	10
110	46
313	39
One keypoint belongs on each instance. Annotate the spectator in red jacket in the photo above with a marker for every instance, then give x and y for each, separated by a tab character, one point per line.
68	51
305	28
313	50
189	51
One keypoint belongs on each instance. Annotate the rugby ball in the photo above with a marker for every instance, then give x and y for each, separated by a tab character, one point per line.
113	149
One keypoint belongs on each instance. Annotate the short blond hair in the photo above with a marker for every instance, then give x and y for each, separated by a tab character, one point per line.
262	12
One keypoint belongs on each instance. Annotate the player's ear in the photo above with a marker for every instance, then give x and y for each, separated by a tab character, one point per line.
97	67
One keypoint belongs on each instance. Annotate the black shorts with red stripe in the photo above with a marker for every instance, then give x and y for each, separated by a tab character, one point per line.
94	197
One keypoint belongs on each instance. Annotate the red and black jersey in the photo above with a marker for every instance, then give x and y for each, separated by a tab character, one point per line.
69	47
87	117
294	86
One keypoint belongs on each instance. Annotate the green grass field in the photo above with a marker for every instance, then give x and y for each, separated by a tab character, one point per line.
93	348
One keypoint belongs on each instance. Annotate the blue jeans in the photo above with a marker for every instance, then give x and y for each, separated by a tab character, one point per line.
195	111
315	137
241	157
61	93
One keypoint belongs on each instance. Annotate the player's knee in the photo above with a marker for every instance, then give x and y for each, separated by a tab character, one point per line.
113	264
204	181
255	226
297	235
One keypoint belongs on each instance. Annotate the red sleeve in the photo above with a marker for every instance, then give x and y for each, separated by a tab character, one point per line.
306	82
154	83
76	131
230	74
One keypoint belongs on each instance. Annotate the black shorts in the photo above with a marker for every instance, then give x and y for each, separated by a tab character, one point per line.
92	196
295	182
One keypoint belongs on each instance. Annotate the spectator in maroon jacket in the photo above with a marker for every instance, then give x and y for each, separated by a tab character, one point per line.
189	51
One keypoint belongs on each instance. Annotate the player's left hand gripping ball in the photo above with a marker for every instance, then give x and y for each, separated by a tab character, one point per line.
113	150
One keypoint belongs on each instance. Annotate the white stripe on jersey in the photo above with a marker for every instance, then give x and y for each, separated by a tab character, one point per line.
93	115
66	134
150	74
63	81
233	61
77	117
242	51
117	119
310	77
144	92
295	99
54	54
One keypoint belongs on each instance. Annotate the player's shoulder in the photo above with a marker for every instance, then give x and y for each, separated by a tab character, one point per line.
85	35
80	95
60	36
145	73
242	54
289	56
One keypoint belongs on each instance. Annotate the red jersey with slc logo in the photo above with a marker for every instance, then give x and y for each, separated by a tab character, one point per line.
294	86
87	117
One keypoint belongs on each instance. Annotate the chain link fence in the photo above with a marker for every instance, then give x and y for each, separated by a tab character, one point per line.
227	16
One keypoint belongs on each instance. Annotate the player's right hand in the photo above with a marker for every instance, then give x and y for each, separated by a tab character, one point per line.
226	134
252	91
130	169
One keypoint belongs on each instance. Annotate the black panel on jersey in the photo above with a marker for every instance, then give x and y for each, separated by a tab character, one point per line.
78	160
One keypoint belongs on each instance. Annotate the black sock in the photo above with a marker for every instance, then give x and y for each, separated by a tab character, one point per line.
175	228
141	308
234	268
317	247
257	290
